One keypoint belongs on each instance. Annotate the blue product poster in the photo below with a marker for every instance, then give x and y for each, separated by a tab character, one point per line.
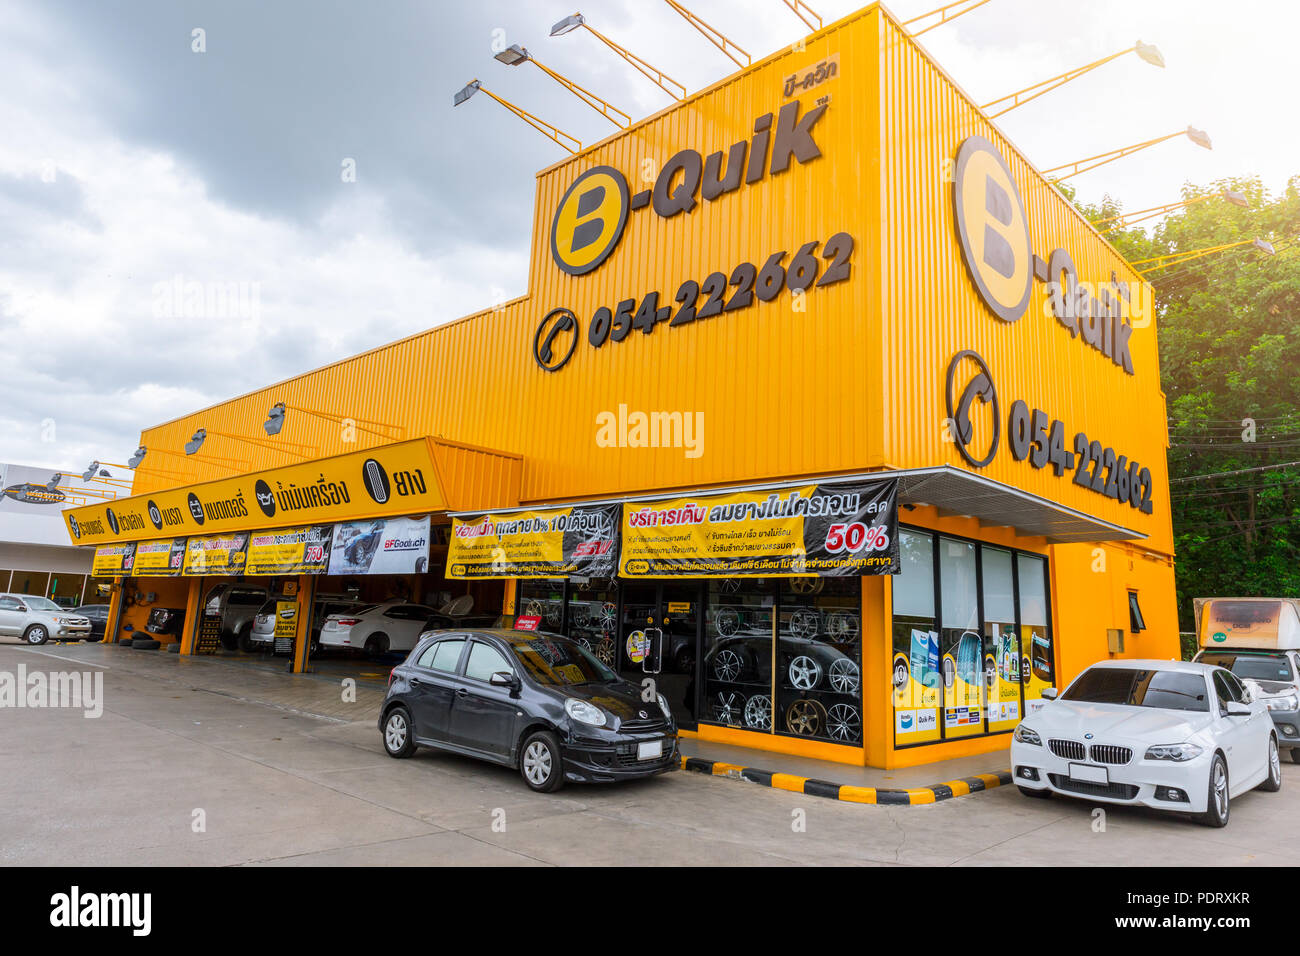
925	658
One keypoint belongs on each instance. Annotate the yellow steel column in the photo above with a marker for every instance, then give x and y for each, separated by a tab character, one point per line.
193	609
877	652
114	612
306	597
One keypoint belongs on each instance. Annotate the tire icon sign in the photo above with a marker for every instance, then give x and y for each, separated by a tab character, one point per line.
155	515
376	480
112	520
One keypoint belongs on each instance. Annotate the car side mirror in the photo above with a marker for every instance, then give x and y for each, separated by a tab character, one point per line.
1049	693
502	679
1237	709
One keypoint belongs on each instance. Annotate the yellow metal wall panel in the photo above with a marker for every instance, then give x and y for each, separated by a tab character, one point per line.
933	310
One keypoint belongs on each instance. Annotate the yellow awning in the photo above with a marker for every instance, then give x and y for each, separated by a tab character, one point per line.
417	476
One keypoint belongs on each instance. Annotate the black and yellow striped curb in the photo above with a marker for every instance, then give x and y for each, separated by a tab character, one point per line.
837	791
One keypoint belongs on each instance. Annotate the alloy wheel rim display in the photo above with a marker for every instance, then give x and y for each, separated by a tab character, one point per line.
726	666
758	712
843	722
844	676
805	622
805	672
805	718
537	762
728	708
727	621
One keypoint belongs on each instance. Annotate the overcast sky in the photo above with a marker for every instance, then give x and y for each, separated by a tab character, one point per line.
130	163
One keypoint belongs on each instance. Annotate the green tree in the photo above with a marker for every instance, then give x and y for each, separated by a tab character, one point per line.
1229	328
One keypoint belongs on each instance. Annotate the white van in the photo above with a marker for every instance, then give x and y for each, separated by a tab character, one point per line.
1258	639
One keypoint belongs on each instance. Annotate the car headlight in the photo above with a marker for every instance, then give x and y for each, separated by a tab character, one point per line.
584	712
58	620
1025	735
663	705
1289	702
1178	752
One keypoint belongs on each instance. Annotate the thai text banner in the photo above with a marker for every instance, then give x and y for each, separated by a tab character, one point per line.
304	550
163	558
838	530
536	544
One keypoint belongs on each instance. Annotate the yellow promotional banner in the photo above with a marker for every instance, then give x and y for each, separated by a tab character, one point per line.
160	559
829	530
550	543
112	559
215	554
397	479
289	551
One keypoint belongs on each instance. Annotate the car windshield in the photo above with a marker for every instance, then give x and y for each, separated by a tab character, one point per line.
1134	687
40	603
1273	667
557	662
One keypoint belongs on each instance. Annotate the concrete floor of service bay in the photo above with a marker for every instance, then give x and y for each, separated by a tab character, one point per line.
283	788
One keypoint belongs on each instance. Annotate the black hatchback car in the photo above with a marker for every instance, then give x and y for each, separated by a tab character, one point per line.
526	699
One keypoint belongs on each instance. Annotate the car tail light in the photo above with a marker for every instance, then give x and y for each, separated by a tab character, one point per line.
390	676
347	621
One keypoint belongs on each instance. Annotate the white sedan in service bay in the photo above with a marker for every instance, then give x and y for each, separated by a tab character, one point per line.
376	628
1163	734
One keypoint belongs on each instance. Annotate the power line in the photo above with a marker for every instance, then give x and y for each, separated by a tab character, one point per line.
1240	471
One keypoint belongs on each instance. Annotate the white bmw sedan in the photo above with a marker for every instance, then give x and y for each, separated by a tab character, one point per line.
1163	734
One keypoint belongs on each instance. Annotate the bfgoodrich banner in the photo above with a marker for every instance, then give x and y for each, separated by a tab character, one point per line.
828	530
384	546
536	544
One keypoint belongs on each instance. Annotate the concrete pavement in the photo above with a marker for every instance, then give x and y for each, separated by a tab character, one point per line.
184	768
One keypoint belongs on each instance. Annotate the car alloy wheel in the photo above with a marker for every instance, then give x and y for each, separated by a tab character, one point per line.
843	626
727	666
605	651
539	763
805	622
395	732
844	676
37	635
608	614
758	712
806	585
805	717
729	585
727	621
728	707
844	723
805	672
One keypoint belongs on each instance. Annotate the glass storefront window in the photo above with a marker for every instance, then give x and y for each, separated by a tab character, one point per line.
1035	631
738	653
593	616
1002	669
819	656
542	598
915	674
960	641
972	644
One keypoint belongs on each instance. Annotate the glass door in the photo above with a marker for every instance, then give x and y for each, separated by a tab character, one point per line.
658	639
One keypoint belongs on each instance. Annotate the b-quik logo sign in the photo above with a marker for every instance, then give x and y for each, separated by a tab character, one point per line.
992	228
589	220
993	232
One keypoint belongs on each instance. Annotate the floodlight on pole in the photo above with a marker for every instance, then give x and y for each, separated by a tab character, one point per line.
277	416
553	133
711	34
136	461
296	449
798	6
1156	263
947	13
1197	136
1145	51
516	54
1129	219
661	79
